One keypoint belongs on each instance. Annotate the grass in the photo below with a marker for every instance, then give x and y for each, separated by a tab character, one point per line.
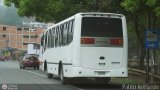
131	79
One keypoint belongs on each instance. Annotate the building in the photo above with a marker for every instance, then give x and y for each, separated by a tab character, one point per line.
19	37
35	25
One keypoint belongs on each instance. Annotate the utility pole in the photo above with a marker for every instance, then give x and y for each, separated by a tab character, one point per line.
36	41
147	67
97	5
148	50
152	65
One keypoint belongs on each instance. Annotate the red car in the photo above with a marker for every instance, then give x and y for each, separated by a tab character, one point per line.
29	61
2	58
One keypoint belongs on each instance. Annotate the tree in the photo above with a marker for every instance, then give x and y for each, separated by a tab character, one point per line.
49	10
137	12
142	11
57	10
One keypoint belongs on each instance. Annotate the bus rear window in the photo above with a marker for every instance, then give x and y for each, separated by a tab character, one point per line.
101	27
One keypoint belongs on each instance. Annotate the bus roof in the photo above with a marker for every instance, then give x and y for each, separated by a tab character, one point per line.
100	13
88	14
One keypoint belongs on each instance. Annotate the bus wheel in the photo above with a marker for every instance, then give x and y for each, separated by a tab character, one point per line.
62	78
49	75
23	67
103	80
20	67
38	67
45	65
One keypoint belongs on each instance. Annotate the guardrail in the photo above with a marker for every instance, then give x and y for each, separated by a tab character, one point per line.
143	72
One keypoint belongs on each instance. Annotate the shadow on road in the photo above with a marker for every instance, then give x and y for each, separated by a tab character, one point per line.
89	83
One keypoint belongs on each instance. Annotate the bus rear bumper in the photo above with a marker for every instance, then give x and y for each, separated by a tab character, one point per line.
83	72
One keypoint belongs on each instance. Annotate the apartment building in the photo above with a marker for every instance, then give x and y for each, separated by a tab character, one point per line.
19	37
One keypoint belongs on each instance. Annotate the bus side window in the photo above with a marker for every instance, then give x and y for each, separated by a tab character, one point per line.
57	38
42	40
70	32
61	34
52	37
49	38
65	33
45	41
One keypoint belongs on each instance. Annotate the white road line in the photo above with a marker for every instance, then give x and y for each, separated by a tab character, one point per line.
39	75
54	79
35	73
74	87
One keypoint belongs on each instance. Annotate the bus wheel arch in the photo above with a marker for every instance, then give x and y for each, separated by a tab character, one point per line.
61	73
49	75
59	67
45	65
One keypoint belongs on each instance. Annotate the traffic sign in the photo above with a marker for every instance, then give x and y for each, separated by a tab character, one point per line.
151	39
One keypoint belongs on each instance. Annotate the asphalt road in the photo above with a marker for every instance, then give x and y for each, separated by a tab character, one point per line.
13	78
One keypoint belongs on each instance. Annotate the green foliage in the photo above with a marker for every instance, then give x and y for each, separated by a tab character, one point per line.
11	2
142	16
157	10
136	11
56	10
131	5
151	3
141	5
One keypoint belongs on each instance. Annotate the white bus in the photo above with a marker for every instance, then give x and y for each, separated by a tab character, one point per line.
87	45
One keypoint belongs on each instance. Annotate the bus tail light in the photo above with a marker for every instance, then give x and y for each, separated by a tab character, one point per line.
115	41
87	41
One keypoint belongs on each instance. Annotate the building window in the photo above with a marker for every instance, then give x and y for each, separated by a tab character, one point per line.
19	29
26	29
32	29
36	46
34	36
25	43
4	35
4	28
25	36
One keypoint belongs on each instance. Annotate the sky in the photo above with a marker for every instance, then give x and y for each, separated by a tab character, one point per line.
9	16
1	3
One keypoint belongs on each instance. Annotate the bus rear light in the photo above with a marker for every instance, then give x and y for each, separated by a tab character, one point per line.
116	41
87	41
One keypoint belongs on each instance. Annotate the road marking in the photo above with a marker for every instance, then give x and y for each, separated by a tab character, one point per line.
35	73
75	87
54	79
40	75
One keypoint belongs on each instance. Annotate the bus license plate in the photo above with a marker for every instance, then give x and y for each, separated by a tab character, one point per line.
101	73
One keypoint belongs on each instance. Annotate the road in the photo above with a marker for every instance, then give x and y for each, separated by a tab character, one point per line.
30	79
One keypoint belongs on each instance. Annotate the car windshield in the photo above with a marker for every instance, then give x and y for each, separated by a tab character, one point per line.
29	55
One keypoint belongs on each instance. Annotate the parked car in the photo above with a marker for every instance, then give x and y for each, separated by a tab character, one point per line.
29	61
2	58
